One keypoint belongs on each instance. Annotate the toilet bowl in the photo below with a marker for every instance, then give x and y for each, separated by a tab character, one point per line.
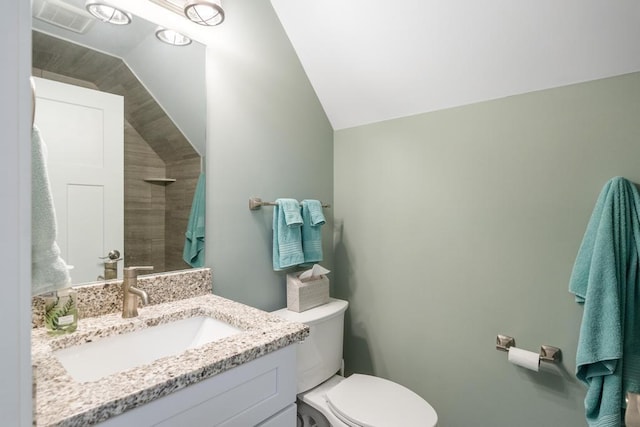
326	399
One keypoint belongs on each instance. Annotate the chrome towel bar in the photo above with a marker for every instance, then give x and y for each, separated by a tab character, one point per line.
256	203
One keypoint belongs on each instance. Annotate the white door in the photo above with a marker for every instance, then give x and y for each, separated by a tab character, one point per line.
83	130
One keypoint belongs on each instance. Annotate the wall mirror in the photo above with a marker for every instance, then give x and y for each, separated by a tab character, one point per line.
164	103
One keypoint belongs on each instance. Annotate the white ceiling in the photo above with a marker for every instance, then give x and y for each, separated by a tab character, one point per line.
373	60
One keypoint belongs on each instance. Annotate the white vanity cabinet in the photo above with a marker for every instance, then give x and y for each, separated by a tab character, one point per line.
258	393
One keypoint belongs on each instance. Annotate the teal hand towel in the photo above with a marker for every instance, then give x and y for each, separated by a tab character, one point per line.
48	270
287	237
605	280
312	221
193	253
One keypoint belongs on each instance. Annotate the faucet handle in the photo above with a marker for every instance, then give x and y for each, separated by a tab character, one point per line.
113	255
132	272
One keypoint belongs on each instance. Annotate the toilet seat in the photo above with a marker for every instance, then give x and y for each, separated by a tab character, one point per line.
367	401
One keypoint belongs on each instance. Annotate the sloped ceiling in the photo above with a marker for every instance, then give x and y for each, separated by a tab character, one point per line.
373	60
110	74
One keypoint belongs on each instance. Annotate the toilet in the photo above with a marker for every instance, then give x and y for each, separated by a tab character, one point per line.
328	399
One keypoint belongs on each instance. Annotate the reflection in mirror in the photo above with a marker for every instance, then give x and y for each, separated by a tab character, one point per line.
163	90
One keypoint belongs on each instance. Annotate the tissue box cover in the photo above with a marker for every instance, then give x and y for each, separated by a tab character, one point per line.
302	296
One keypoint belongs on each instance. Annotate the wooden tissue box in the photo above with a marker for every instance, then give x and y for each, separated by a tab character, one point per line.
302	296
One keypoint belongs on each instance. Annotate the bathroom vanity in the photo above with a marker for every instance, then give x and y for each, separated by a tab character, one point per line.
246	378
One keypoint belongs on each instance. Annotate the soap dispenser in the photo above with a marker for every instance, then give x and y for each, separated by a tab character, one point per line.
61	311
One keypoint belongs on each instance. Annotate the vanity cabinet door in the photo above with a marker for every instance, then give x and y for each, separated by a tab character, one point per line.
243	396
285	418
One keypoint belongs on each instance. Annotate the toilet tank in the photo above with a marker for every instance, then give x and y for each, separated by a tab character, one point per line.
319	356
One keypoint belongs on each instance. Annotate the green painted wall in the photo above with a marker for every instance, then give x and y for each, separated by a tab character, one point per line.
451	227
457	225
268	137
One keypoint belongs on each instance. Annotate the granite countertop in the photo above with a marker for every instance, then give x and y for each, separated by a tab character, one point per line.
62	401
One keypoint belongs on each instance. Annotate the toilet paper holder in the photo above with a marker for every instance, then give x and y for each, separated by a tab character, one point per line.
547	353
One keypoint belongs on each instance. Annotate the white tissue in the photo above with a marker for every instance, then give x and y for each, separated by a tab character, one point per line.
313	273
524	358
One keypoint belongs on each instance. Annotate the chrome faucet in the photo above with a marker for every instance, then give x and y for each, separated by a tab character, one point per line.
129	291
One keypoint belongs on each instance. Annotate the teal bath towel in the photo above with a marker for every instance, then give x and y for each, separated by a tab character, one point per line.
193	253
49	272
312	222
287	237
605	280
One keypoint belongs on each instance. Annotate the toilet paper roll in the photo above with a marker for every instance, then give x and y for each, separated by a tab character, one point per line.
524	358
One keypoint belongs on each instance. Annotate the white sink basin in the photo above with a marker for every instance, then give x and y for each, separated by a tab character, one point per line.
94	360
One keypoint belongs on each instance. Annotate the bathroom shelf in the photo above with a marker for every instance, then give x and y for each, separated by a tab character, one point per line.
160	180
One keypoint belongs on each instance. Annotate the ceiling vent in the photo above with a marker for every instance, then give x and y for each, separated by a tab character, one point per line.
62	15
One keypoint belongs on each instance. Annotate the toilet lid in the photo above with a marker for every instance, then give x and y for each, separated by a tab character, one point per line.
363	400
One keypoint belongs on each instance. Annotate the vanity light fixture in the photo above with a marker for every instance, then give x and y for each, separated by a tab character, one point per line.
106	13
172	37
204	12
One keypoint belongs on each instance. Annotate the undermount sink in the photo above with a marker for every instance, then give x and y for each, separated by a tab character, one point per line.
94	360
